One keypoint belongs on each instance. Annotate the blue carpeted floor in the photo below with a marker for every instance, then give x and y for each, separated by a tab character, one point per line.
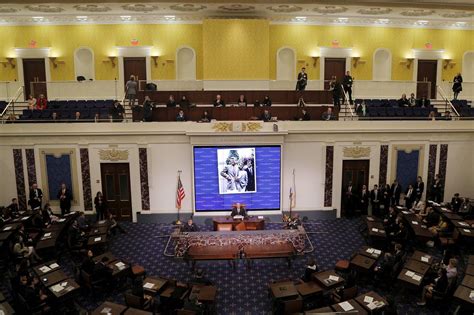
245	291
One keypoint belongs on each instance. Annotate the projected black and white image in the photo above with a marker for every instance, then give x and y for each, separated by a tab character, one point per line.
237	170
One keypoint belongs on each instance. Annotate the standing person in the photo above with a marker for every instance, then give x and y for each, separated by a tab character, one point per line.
302	80
364	200
117	111
386	197
171	101
436	188
457	85
410	197
250	174
147	109
375	200
419	188
396	191
219	102
65	198
347	82
36	197
335	87
349	200
131	90
100	206
242	101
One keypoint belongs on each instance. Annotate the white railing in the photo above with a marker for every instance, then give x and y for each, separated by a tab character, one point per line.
8	89
12	102
445	98
346	100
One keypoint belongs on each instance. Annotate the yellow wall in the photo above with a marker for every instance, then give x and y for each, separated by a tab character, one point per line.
235	49
231	49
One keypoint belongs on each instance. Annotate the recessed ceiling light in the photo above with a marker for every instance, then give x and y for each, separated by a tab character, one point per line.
38	18
383	21
169	17
421	22
125	17
81	18
342	20
460	23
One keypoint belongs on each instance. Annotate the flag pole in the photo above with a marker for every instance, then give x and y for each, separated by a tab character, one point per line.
292	195
178	221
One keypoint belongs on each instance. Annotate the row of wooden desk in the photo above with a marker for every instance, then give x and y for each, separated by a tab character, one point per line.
363	304
463	230
465	290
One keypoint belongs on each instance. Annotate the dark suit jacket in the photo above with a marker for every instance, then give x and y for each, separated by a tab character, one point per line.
456	204
171	103
190	228
235	212
266	117
33	202
372	196
396	191
66	202
364	198
220	104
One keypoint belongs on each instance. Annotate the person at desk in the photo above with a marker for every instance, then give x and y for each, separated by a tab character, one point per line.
219	102
171	102
65	197
102	271
88	264
14	208
439	285
456	203
311	267
180	116
206	117
266	116
184	102
200	279
190	226
238	210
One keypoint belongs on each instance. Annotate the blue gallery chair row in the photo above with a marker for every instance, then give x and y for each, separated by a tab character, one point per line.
399	112
81	104
378	102
65	114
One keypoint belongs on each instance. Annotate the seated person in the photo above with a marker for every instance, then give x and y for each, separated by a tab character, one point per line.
311	267
113	224
31	291
267	101
171	102
451	268
42	102
88	264
219	102
82	222
456	203
20	250
180	116
294	222
200	279
266	116
390	221
242	101
305	115
301	102
76	236
419	207
190	226
385	268
238	210
431	218
206	117
441	228
423	102
14	208
184	102
412	100
256	103
447	115
102	271
403	101
31	102
465	206
137	290
48	215
5	215
398	253
328	115
439	285
401	233
361	109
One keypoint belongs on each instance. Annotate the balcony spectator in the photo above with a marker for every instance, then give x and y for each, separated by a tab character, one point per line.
219	102
447	115
424	102
266	116
432	115
403	101
361	109
267	101
457	85
31	102
257	103
117	112
412	100
301	102
131	90
206	117
184	102
242	101
54	117
336	88
304	115
181	116
328	114
171	102
96	117
42	102
77	116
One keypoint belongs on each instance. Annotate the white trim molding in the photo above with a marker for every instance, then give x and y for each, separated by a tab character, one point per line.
334	52
25	53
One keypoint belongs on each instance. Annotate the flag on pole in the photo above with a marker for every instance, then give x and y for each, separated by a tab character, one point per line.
179	193
293	193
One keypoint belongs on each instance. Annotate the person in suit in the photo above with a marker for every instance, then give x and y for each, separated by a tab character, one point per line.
347	82
390	221
36	197
349	200
336	88
386	197
311	267
375	197
33	294
242	101
384	269
396	191
302	80
190	226
364	200
148	109
412	100
403	101
65	197
436	189
267	101
100	206
305	116
230	173
184	102
206	117
248	167
419	188
88	264
238	210
219	102
423	102
171	102
457	85
14	208
180	116
301	102
440	284
431	218
328	115
456	203
266	116
410	197
117	111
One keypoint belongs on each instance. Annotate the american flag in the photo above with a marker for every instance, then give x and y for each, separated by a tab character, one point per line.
179	193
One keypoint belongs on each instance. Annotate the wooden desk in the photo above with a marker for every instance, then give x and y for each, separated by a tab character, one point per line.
6	308
467	233
356	307
417	255
269	251
251	223
461	224
367	305
118	267
462	293
48	240
365	250
409	279
10	227
468	281
109	308
321	310
97	240
451	216
45	268
158	285
323	279
5	235
135	311
282	290
376	229
470	260
470	270
417	266
205	293
96	231
53	277
363	263
70	286
308	288
109	255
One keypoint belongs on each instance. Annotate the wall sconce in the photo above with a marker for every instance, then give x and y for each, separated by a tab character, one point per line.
357	61
9	61
409	62
315	60
55	62
448	62
155	60
112	60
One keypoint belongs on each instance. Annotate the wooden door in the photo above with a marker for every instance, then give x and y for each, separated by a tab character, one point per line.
426	78
34	74
116	189
333	67
135	66
357	172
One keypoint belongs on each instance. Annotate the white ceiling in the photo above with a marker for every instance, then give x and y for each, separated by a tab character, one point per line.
419	14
